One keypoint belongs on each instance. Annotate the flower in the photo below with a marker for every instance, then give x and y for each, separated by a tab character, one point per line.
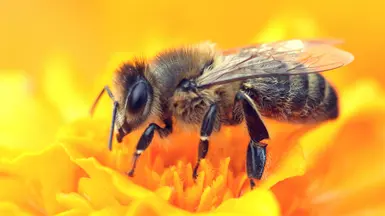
307	173
334	169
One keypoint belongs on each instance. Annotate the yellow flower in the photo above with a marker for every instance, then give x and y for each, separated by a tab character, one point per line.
48	79
335	169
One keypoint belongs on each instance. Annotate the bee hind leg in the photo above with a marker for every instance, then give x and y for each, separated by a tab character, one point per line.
146	138
256	150
206	130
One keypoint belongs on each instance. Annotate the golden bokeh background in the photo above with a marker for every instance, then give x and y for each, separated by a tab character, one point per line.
55	56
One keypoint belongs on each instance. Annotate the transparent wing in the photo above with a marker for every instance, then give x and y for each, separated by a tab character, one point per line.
280	43
278	58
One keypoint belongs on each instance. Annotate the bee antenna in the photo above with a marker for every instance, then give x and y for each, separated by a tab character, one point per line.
114	112
105	89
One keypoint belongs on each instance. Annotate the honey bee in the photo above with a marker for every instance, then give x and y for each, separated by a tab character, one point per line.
200	85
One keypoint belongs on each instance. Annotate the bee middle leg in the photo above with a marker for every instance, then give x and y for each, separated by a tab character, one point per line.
256	150
146	138
206	130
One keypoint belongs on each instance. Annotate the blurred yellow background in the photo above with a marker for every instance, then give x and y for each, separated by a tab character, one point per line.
55	56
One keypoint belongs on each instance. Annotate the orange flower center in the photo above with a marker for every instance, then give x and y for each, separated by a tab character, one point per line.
169	162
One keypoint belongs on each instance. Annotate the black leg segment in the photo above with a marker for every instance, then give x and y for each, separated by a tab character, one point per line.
206	130
146	138
256	151
255	160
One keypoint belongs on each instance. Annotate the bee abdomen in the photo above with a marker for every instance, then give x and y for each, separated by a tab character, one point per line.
321	102
305	98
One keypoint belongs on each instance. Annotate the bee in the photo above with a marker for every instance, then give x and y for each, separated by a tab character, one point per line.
205	87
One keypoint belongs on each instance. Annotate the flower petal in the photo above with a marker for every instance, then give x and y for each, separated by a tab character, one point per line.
74	201
37	179
87	138
111	210
256	202
153	208
292	164
72	212
8	208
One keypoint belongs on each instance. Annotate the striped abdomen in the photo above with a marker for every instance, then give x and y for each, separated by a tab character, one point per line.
305	98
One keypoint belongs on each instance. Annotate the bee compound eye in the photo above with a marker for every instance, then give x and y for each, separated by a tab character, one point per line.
138	97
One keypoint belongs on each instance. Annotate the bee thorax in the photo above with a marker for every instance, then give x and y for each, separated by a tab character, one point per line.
189	107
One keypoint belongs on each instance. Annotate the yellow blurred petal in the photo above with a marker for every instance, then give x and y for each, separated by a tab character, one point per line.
154	208
22	192
293	164
73	212
84	139
42	175
139	208
9	153
131	190
256	202
11	209
164	192
73	201
98	188
227	206
106	187
98	192
110	210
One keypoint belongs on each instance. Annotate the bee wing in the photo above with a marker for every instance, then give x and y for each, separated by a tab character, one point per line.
279	58
281	42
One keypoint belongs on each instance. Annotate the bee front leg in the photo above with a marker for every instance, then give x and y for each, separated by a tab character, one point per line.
256	150
206	130
146	138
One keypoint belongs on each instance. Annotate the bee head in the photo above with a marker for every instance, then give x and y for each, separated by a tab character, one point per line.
135	94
